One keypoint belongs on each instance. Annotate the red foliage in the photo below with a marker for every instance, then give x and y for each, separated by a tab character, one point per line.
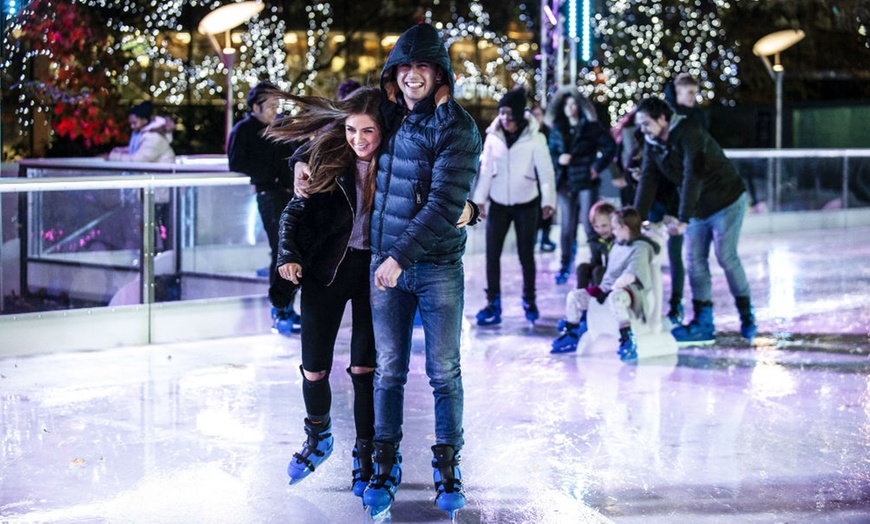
81	90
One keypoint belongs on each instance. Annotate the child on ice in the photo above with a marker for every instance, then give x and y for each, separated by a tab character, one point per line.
628	275
590	273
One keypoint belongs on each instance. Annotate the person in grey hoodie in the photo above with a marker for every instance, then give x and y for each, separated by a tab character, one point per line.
712	204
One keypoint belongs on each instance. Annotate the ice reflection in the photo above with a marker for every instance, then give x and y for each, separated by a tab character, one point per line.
782	281
229	398
771	380
727	433
201	493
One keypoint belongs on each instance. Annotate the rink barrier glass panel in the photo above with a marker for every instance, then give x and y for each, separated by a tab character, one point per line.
74	252
806	179
84	244
73	247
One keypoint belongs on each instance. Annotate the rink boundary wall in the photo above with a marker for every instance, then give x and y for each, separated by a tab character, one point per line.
196	320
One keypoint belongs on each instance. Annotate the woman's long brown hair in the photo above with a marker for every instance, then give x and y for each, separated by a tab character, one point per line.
323	120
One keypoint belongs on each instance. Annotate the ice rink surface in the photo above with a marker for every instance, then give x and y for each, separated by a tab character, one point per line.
202	432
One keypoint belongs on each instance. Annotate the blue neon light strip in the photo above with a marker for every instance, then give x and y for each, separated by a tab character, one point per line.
586	39
572	18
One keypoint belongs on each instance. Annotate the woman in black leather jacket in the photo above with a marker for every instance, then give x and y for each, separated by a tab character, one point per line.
324	248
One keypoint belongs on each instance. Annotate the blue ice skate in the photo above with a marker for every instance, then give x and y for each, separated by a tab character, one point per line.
547	245
700	331
562	276
491	314
448	480
627	345
675	315
286	321
570	337
362	465
379	495
532	313
315	450
748	329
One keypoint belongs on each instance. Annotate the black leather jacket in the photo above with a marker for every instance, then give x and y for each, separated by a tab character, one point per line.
315	231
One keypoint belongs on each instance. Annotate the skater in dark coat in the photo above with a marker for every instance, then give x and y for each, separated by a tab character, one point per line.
265	162
324	248
712	203
581	149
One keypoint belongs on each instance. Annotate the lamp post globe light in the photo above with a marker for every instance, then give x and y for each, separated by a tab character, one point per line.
222	20
774	44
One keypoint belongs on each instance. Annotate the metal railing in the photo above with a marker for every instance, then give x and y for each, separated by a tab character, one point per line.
806	179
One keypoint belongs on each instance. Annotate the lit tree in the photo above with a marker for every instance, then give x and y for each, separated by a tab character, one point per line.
59	66
98	50
475	24
643	44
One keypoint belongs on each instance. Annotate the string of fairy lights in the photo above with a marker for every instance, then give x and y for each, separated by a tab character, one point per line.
154	69
319	22
483	82
639	46
643	44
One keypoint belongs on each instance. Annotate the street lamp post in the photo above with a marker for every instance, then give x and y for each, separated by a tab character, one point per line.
222	20
774	44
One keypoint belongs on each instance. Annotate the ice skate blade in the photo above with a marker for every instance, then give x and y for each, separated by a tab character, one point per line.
451	506
690	343
282	332
306	472
379	513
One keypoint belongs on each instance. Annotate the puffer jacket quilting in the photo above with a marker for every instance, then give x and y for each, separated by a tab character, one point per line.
426	170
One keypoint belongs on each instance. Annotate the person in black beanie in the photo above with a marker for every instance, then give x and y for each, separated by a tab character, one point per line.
515	185
266	163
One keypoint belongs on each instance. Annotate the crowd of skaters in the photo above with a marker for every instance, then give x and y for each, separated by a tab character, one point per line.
668	169
372	208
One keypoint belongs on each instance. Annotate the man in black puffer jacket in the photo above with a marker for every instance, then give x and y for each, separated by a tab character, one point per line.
424	177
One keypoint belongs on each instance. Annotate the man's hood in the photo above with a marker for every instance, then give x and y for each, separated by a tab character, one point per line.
421	43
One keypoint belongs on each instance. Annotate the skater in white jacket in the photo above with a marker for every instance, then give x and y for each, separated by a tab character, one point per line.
515	185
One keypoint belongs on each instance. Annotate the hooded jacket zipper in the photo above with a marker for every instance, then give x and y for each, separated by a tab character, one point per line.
347	242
